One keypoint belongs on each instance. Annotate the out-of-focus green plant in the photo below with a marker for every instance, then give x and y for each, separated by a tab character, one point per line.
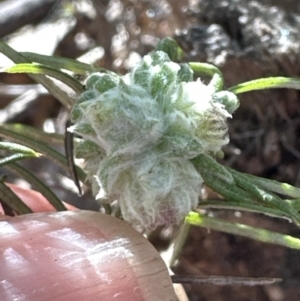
151	138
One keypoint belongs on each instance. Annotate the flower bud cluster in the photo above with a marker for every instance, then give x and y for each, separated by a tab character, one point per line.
141	130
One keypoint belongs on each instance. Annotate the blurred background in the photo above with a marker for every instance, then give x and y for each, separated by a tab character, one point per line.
246	40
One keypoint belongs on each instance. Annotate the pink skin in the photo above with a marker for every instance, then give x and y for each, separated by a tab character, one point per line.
77	255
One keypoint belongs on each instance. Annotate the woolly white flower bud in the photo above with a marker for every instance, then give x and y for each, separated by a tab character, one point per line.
139	132
207	117
153	188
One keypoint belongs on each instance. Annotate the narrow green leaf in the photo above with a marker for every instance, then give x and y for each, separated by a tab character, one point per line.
34	133
260	234
207	69
38	185
33	68
266	197
295	204
62	63
206	164
11	53
274	186
230	192
242	189
241	206
53	88
14	158
42	148
18	148
220	180
266	83
12	200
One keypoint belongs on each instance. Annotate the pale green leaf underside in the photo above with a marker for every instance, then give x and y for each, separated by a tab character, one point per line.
33	68
263	235
266	83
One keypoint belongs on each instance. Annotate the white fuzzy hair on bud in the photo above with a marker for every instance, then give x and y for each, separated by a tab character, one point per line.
139	132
